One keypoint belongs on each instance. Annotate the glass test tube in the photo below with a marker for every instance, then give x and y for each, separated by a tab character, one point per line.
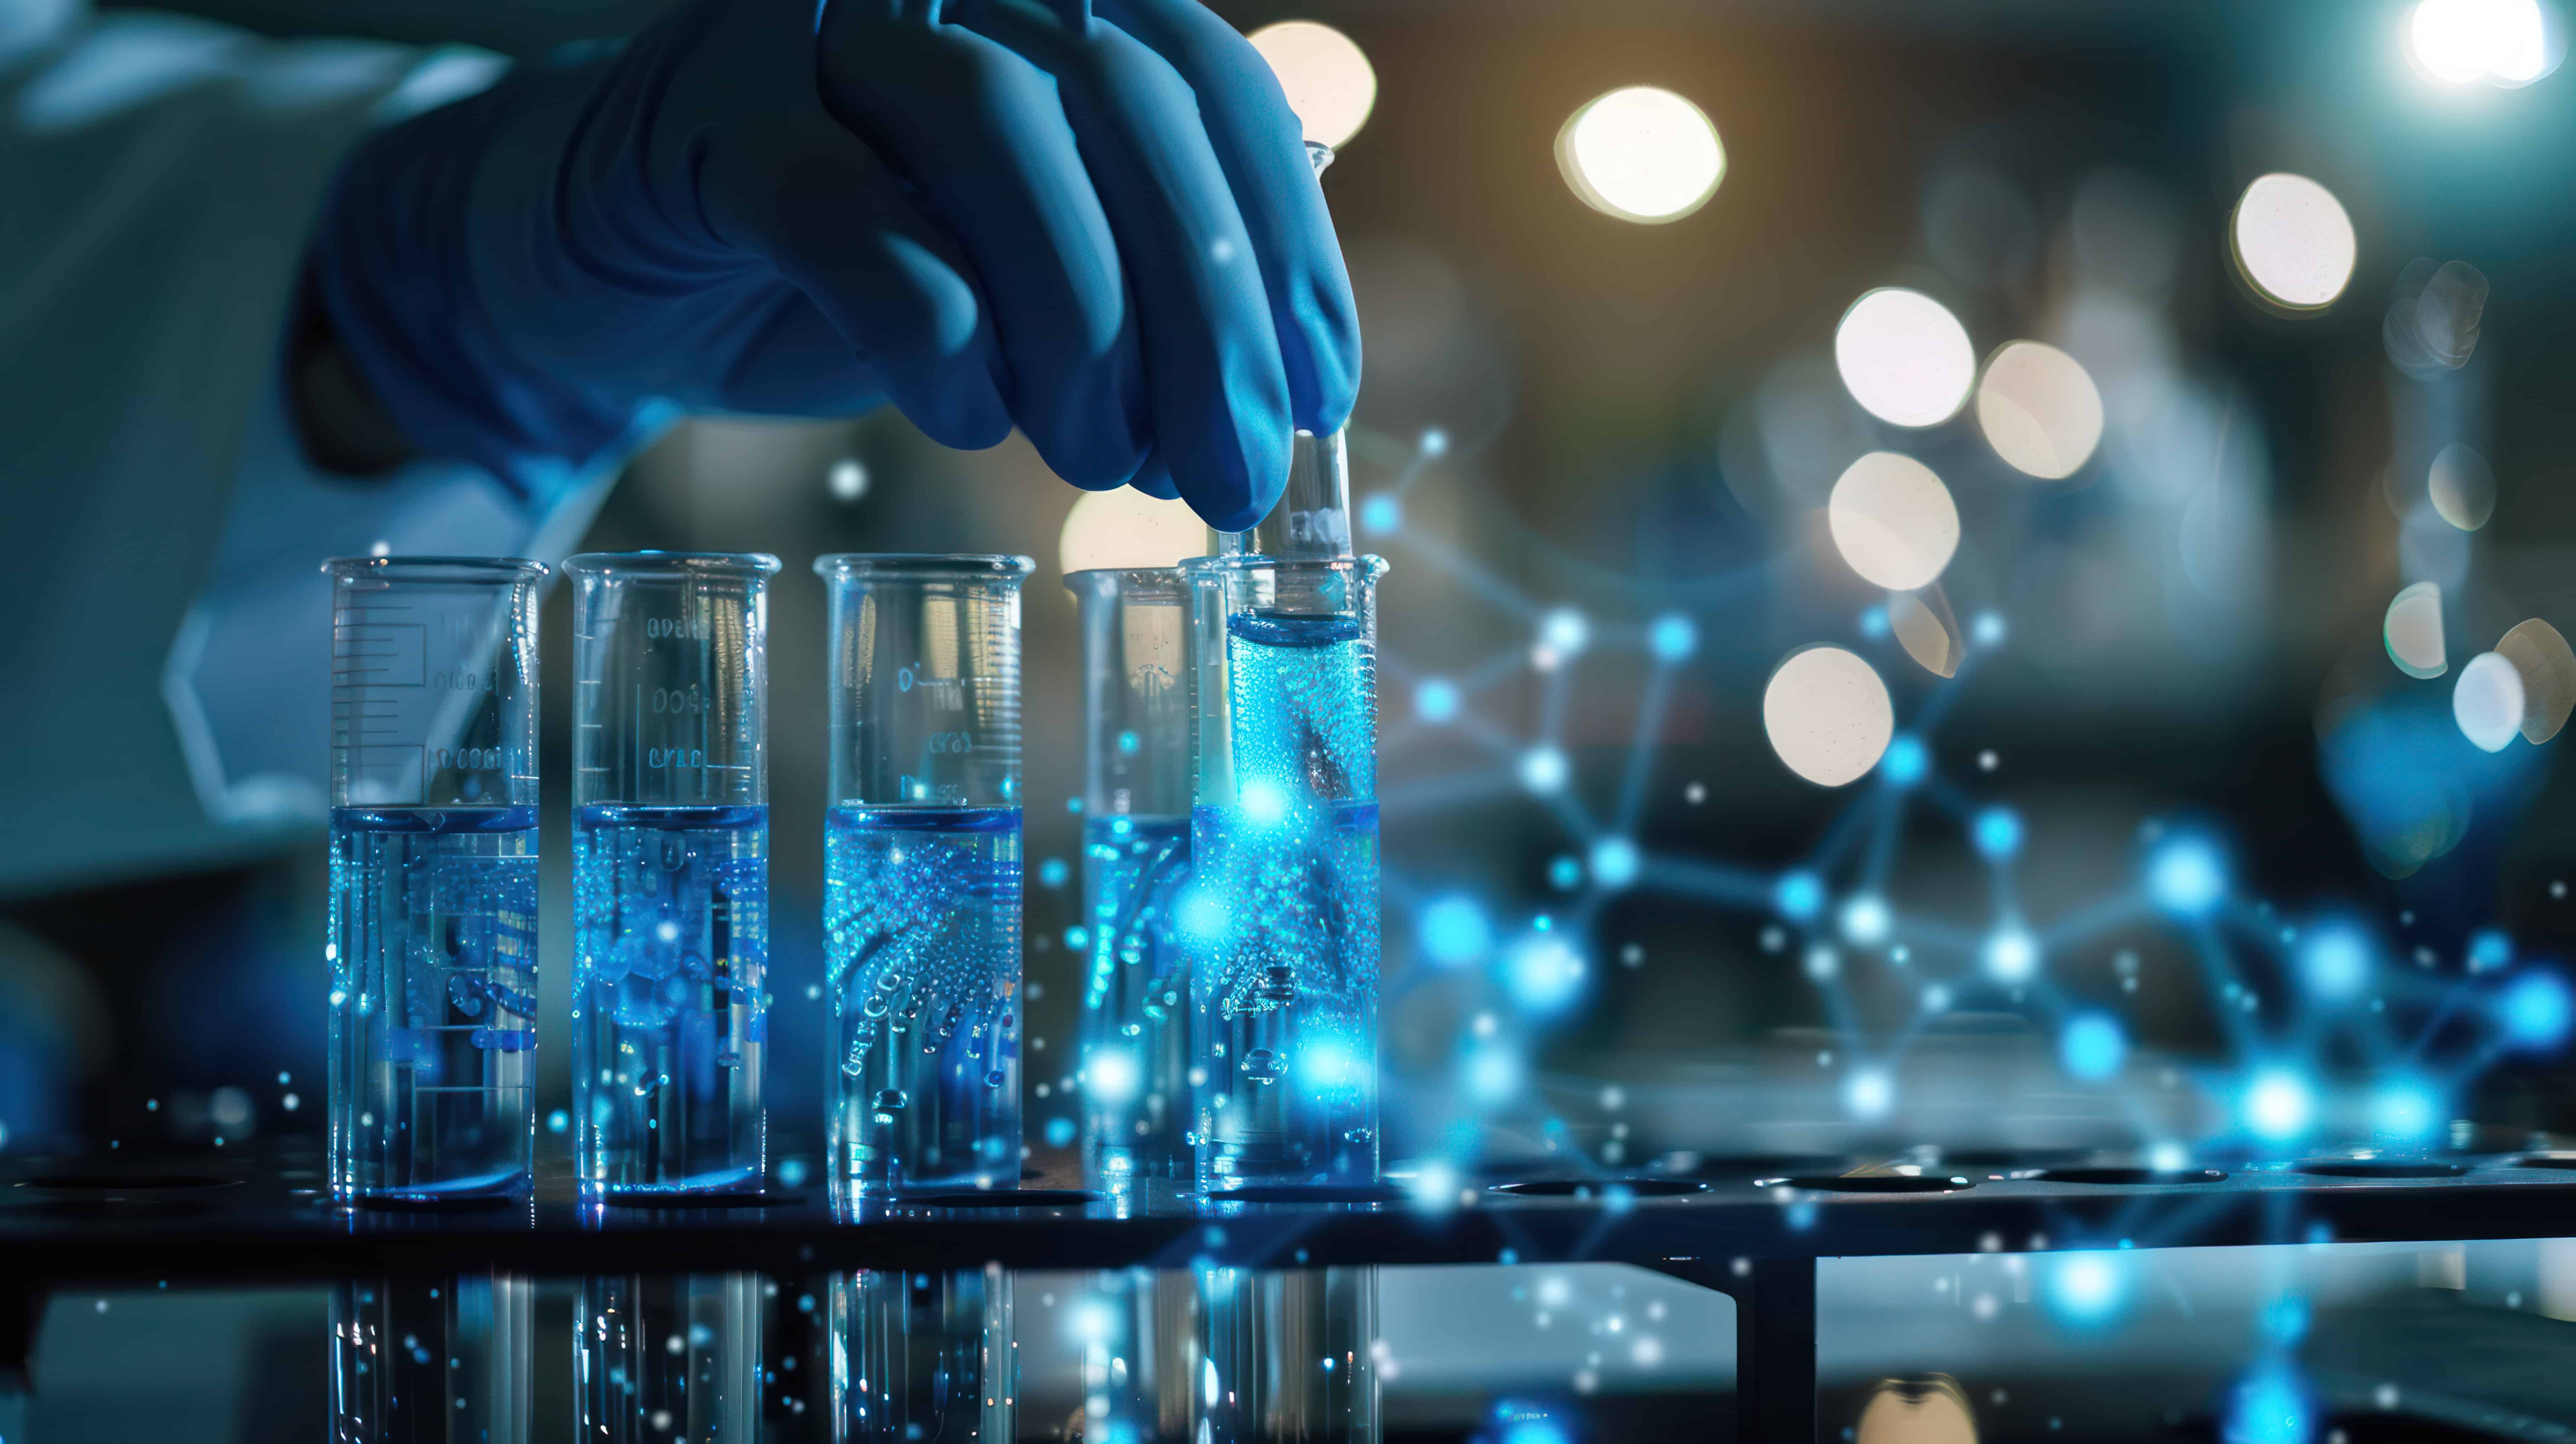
1135	856
1287	1356
433	947
1281	915
660	1357
670	871
1140	1356
432	1359
921	913
923	1356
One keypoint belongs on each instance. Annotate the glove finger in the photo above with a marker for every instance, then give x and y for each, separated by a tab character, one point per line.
1155	479
981	137
798	364
1261	145
1219	391
819	206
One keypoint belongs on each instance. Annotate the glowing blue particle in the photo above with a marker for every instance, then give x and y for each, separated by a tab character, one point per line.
1435	442
2334	959
1455	932
1073	804
1202	914
2489	949
1564	631
2284	1321
1543	972
1873	622
1436	700
1534	1431
1128	742
1493	1073
1798	895
1052	872
1076	938
1543	769
2185	876
2404	1111
2092	1047
1564	873
1868	1093
1381	514
1615	862
792	1172
2088	1287
2011	955
1905	760
558	1121
2278	1105
1997	833
1865	919
2270	1405
1262	801
1059	1133
1987	629
2536	1009
1672	637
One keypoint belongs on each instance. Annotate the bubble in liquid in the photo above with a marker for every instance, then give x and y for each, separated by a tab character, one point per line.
993	1079
1262	1066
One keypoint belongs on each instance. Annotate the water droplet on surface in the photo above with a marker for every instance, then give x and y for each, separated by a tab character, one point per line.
1262	1066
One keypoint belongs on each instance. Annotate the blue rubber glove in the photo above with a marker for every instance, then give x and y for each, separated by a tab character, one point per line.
1096	223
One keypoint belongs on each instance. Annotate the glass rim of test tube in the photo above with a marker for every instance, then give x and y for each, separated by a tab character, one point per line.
1376	566
966	566
1090	577
653	563
494	570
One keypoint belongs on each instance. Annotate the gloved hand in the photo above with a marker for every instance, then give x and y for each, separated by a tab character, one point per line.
1096	221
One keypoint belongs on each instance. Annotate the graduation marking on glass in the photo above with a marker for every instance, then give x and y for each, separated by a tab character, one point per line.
922	855
670	872
433	949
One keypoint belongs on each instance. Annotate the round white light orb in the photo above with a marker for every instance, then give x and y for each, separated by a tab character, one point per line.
1828	715
2293	242
2040	410
1329	81
1642	154
1904	357
1893	521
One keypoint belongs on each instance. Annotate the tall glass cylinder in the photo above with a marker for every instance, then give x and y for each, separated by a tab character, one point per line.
1281	914
670	872
1286	1356
663	1357
433	947
923	1356
921	912
1135	857
449	1357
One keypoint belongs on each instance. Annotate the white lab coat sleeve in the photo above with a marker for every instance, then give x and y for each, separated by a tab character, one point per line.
165	662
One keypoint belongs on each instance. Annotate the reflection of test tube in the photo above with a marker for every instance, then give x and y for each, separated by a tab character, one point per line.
1140	1355
922	1356
1287	1356
668	1356
443	1358
921	911
670	871
1135	855
433	876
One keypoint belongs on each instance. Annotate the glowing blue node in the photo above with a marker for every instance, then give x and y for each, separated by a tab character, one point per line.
2489	950
1327	1064
558	1121
1997	833
1455	932
1564	873
1798	895
1615	862
1543	972
2335	961
1533	1431
1059	1133
2087	1288
1435	442
1381	514
2270	1406
1564	631
2278	1106
2284	1321
2536	1009
1542	770
1905	760
1987	629
1868	1093
1111	1075
2093	1047
2011	955
1493	1073
1672	637
1436	700
1263	802
1865	920
2405	1111
1052	872
2185	876
1873	622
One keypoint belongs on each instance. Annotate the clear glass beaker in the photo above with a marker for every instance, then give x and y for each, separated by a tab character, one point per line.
1281	913
1135	856
670	871
433	946
921	911
660	1357
441	1357
919	1356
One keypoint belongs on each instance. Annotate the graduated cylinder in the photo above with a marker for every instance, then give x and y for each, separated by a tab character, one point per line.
670	871
921	909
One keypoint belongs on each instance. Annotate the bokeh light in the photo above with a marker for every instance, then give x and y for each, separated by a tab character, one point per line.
2486	702
1435	700
1543	972
2334	961
1564	632
2294	244
1865	920
1798	895
2536	1009
2434	316
1111	1076
1455	932
1616	862
1542	770
2270	1405
2087	1287
2186	876
2503	42
2278	1106
1642	154
1329	81
2542	659
1124	527
2011	955
1672	637
1868	1094
1926	630
2092	1047
1493	1073
1904	357
1828	715
1905	761
1893	521
2403	1110
2413	631
1996	832
2039	410
2462	487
